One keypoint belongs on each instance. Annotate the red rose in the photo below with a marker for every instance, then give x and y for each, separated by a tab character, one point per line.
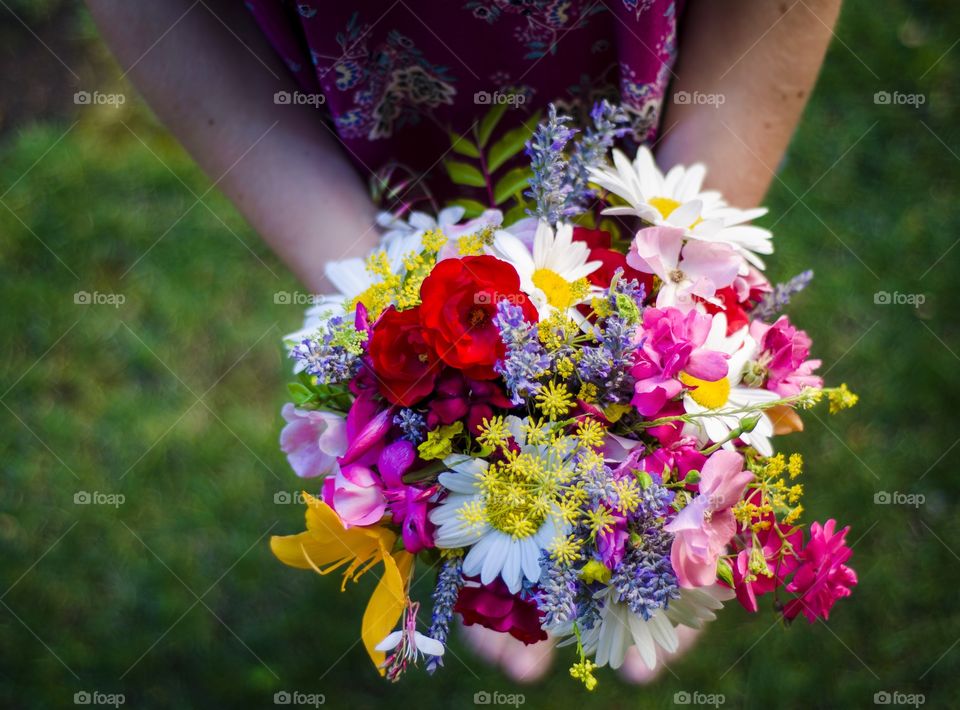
405	366
610	260
494	607
458	303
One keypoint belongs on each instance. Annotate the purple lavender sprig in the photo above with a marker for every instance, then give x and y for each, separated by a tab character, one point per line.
779	298
525	360
608	125
550	187
449	582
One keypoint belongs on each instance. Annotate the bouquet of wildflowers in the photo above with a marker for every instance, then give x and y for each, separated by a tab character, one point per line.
567	408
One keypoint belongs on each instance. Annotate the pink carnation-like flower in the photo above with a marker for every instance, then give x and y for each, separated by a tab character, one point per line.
696	268
705	527
823	577
671	343
681	456
785	349
312	441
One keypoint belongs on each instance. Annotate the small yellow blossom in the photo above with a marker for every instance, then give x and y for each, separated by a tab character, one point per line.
554	400
583	671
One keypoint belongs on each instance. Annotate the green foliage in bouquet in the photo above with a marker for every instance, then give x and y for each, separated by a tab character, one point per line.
483	165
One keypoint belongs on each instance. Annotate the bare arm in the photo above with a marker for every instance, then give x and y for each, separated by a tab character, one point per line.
282	168
762	57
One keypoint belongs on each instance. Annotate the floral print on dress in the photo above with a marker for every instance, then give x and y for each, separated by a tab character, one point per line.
543	23
397	77
393	84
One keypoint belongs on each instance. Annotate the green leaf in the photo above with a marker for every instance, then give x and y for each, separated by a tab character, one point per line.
463	146
472	208
507	147
489	122
515	213
301	395
464	174
510	184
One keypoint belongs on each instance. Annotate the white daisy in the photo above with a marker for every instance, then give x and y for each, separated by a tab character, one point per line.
721	403
550	272
676	199
619	628
467	518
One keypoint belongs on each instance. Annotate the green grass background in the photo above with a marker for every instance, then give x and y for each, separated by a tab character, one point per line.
172	400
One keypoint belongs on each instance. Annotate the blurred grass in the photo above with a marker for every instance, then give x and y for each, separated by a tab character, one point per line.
171	400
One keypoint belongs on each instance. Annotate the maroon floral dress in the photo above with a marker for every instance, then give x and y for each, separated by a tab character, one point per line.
396	76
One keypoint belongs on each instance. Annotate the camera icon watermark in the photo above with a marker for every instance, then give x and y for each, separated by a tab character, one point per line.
98	498
289	498
97	98
296	298
510	98
299	98
86	298
898	98
485	697
885	298
685	697
884	697
296	697
698	98
898	498
85	697
491	298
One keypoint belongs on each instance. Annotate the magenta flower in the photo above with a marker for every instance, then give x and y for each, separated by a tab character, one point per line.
671	343
681	456
696	268
705	527
822	577
784	350
312	441
407	503
367	427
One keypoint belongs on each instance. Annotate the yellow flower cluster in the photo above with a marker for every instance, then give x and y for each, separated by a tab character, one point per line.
523	489
439	443
473	244
778	496
583	670
841	398
390	288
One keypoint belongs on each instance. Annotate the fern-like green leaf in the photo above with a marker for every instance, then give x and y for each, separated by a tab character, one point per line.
489	122
463	146
511	143
464	174
510	184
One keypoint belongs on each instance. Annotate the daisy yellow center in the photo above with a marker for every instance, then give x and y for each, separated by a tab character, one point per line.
664	205
558	290
711	395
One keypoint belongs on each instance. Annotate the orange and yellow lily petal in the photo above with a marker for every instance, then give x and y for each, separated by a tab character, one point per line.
326	545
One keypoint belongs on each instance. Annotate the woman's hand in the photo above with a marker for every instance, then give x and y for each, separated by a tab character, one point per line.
745	72
211	78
